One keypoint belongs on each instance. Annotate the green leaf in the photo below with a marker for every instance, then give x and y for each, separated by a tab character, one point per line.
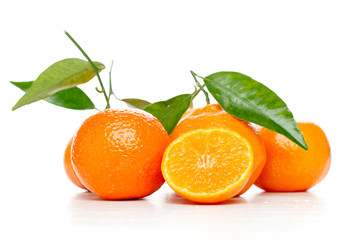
61	75
72	98
170	111
135	102
247	99
94	66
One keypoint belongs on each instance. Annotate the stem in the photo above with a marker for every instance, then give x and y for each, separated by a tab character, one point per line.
196	92
201	86
110	83
111	92
93	66
203	78
193	95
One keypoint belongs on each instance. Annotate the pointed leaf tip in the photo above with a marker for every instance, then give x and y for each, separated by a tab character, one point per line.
170	111
137	103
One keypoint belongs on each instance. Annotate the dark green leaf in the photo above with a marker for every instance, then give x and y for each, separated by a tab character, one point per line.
135	102
247	99
170	111
61	75
72	98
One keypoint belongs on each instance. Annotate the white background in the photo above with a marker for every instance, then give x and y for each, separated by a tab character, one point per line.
306	51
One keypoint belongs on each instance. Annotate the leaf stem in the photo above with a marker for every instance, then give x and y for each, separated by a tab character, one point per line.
196	91
111	92
198	75
201	86
93	66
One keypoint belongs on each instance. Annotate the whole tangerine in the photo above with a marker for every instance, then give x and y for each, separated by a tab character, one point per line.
117	153
69	170
289	168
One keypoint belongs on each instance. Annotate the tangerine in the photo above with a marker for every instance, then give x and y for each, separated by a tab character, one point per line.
69	168
208	165
117	153
212	115
290	168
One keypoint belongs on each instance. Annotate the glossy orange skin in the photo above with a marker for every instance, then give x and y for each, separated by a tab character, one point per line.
289	168
117	154
212	115
69	168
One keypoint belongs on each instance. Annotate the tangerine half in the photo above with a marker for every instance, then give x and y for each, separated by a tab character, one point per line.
212	115
208	165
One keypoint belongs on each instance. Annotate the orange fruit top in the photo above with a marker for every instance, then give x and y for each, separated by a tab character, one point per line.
290	168
208	165
213	115
69	170
117	153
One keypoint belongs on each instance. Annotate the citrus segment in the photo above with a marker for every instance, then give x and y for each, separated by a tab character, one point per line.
208	165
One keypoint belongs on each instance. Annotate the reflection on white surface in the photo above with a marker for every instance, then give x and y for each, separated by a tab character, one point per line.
86	208
260	214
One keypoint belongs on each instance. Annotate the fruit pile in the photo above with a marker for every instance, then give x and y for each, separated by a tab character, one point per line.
210	156
207	155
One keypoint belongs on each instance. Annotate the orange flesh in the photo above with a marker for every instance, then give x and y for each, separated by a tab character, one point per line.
213	116
208	162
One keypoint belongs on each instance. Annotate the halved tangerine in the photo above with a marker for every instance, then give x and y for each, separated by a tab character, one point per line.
208	165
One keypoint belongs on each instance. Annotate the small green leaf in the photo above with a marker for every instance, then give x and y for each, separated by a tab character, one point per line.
71	98
170	111
135	102
247	99
61	75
